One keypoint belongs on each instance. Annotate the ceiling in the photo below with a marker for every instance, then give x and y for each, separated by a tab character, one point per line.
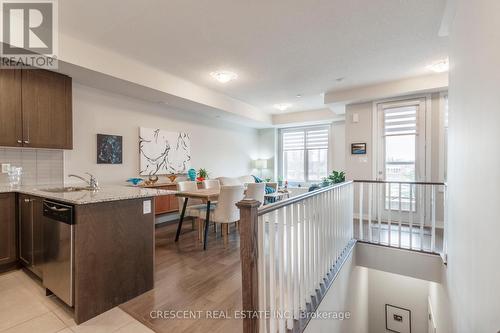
278	48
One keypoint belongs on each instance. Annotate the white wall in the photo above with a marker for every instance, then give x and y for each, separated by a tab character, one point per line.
268	145
473	168
362	166
402	291
440	304
337	144
224	149
349	292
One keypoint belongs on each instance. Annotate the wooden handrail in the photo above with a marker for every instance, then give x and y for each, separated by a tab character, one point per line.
272	207
398	182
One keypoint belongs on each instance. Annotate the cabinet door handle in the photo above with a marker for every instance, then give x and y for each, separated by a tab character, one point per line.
26	200
19	141
26	141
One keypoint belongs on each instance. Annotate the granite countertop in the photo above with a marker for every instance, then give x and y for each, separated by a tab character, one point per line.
104	194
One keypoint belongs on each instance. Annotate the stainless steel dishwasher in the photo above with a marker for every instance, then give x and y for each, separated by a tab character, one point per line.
58	250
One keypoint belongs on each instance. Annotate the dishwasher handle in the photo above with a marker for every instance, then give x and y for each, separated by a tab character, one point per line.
54	208
58	211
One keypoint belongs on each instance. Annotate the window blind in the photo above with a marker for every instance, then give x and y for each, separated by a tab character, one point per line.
305	139
294	140
400	121
317	139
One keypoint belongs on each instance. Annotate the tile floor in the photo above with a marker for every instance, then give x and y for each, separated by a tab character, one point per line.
25	308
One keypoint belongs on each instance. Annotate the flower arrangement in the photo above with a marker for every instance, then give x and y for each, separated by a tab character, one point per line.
202	174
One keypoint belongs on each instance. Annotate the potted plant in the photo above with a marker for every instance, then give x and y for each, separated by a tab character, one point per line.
202	175
334	178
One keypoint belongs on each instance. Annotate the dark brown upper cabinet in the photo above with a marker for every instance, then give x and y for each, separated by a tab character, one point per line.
47	109
35	109
11	122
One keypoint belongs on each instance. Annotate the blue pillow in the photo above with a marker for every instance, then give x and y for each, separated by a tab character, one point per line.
270	190
257	179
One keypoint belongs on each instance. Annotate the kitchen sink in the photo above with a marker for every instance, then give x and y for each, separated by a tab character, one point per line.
66	189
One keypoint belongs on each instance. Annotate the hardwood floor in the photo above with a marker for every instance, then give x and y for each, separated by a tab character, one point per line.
190	279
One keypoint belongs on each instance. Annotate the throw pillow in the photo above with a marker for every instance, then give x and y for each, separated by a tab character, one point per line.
257	179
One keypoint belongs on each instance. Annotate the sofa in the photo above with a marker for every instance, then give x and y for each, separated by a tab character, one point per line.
231	181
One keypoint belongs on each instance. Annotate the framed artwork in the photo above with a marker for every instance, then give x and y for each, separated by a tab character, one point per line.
163	152
109	149
397	319
358	148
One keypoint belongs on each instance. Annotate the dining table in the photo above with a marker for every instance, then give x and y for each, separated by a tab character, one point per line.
206	195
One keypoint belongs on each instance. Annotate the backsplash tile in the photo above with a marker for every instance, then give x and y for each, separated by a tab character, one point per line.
40	166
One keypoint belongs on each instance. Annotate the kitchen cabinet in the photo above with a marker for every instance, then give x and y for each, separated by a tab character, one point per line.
30	233
165	203
8	251
46	109
11	126
35	109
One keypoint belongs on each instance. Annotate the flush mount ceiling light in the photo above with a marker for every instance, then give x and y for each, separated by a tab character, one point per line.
224	76
282	106
440	66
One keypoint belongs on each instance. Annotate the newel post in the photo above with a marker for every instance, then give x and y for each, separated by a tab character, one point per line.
249	255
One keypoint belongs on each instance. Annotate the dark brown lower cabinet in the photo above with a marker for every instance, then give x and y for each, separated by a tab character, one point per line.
30	233
8	249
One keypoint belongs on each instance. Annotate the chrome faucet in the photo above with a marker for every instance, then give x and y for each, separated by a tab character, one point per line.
93	183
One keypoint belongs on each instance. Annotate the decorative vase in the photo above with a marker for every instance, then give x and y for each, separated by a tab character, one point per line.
135	181
192	174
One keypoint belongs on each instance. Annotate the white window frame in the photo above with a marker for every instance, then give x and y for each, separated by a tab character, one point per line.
425	134
280	151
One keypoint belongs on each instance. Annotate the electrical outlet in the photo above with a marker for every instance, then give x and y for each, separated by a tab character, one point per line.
5	167
146	207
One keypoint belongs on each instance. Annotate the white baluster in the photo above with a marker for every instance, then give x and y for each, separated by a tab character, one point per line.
422	216
272	271
379	210
261	261
400	216
389	215
433	216
296	260
281	268
410	216
303	255
370	193
288	271
361	211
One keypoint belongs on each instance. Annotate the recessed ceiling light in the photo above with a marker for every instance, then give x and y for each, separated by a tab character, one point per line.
340	79
298	95
440	66
224	76
282	106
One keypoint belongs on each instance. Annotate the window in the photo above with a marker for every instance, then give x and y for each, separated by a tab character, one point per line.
400	130
304	154
402	149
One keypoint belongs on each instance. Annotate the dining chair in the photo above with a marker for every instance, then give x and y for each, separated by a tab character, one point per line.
256	191
192	208
211	184
226	211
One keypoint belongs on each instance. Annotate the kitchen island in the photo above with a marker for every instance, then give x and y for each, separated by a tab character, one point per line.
112	242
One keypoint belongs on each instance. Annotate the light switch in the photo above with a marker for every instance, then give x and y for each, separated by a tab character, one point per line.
146	207
355	118
5	167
